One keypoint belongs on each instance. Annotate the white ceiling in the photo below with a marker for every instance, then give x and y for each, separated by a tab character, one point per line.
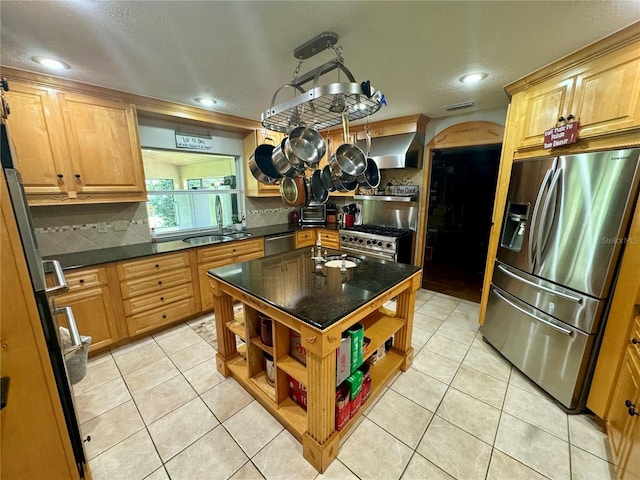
240	52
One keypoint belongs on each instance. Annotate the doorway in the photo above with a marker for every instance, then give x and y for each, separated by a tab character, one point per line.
460	205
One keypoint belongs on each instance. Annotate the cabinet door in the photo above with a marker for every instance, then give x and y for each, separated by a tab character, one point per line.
38	140
539	108
105	155
618	423
306	237
92	309
330	239
607	96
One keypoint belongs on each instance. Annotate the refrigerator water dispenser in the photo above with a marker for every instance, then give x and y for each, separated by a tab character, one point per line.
515	225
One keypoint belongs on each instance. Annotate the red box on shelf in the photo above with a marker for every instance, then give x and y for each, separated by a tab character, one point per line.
343	411
296	385
296	350
299	397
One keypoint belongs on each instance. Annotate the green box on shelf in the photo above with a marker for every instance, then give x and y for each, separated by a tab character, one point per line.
356	332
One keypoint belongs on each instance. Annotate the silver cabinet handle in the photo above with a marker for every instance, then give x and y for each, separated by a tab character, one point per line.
76	341
566	296
534	218
564	331
61	285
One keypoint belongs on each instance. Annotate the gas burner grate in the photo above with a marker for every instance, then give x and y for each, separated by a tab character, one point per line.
381	230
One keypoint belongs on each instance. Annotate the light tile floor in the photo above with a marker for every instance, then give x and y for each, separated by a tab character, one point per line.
158	409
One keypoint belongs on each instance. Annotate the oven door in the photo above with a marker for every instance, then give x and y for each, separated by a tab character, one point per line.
381	255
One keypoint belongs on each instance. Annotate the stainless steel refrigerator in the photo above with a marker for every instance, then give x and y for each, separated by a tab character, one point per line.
564	229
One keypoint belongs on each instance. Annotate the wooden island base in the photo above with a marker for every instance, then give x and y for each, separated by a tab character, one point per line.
314	427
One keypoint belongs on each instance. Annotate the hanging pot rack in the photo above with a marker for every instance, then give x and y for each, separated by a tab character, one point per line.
322	106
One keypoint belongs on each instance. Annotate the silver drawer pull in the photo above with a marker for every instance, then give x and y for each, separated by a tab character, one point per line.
564	331
566	296
76	341
61	285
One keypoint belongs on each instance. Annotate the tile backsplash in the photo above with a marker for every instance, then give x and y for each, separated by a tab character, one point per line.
75	228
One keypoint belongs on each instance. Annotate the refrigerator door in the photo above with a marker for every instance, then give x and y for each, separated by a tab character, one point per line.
552	354
583	219
529	183
570	307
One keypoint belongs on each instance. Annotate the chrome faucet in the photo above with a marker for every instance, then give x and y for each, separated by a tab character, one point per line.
219	214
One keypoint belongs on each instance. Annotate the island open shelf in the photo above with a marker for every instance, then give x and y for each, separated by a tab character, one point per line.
315	309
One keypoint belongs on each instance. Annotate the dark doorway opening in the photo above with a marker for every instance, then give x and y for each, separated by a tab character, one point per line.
461	196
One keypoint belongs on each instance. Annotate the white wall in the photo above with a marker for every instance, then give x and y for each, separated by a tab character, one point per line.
437	125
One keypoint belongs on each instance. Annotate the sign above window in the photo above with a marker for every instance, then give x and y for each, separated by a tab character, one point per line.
194	142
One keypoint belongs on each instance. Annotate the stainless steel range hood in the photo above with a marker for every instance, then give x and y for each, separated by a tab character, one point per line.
396	151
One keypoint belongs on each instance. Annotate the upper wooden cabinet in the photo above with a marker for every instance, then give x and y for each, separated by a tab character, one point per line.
603	95
254	188
75	148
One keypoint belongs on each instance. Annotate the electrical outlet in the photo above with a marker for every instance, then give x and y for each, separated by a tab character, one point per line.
103	227
120	225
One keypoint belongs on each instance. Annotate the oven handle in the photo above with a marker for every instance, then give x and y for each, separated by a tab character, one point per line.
76	341
383	256
564	331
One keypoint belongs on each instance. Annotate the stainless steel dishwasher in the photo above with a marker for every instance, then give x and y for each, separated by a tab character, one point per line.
282	242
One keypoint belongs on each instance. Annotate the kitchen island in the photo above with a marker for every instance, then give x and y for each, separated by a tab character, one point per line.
313	304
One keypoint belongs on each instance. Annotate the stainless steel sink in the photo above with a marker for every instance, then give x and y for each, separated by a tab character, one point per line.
206	239
225	237
237	235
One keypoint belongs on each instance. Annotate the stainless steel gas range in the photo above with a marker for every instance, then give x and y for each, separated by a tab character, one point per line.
378	241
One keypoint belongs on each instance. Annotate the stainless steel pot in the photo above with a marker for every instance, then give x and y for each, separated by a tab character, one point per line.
327	179
371	176
348	158
344	186
306	145
281	163
261	166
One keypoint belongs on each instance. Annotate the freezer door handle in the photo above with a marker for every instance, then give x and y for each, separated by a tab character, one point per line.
76	341
566	296
564	331
534	217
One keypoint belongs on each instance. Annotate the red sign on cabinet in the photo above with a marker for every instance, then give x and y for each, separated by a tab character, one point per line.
562	135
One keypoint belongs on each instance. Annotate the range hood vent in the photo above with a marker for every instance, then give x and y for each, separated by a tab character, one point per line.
396	151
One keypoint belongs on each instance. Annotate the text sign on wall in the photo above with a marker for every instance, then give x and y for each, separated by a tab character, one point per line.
194	142
563	135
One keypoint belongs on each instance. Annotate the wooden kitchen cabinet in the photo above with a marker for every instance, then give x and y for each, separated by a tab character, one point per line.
306	237
157	291
254	188
92	305
75	148
329	238
225	254
603	95
623	423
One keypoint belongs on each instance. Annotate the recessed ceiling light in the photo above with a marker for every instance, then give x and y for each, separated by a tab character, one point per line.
206	101
472	77
51	63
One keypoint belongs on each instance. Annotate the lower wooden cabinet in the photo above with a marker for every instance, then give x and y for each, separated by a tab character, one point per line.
156	291
220	255
329	238
309	237
306	238
92	305
623	422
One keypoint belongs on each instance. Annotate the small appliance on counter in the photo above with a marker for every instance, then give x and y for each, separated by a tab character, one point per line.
314	212
332	213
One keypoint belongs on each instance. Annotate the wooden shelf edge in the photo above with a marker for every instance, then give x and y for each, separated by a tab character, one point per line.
292	367
262	346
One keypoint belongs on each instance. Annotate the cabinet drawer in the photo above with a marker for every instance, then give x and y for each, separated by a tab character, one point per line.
305	238
153	265
158	317
210	254
77	279
142	303
248	256
330	239
140	286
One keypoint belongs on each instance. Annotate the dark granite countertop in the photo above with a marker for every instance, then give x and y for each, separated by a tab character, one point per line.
128	252
319	297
